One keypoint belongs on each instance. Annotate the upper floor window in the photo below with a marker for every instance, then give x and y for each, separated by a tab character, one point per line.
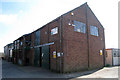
94	30
17	45
37	37
21	43
115	54
79	27
54	31
15	42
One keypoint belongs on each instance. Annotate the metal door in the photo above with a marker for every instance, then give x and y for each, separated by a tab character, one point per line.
36	57
45	57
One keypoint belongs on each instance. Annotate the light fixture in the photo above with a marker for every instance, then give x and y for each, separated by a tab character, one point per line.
69	24
72	13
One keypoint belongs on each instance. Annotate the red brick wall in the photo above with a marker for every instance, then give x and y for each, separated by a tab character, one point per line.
46	37
75	45
96	43
54	62
32	49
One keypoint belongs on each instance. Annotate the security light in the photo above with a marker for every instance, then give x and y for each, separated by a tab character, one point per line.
72	13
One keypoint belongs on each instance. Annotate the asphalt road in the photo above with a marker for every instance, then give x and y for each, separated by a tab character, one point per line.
10	70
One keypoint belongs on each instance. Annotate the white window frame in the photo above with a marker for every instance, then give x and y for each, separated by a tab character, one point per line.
79	26
94	30
54	31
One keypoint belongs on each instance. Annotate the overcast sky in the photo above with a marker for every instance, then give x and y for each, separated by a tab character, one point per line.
19	17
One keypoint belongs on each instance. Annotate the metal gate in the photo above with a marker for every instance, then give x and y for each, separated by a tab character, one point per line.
45	57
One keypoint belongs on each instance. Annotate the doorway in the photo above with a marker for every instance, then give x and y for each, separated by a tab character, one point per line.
45	57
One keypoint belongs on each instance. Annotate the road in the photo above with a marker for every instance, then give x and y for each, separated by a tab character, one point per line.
10	70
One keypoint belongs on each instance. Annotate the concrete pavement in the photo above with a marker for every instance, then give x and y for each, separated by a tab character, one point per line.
10	70
107	72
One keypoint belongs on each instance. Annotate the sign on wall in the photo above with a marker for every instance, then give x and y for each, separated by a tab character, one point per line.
54	54
54	31
58	54
100	52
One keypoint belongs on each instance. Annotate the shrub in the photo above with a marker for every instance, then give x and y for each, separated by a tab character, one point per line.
107	65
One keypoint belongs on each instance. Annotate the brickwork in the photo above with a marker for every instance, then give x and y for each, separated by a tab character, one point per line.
76	54
81	51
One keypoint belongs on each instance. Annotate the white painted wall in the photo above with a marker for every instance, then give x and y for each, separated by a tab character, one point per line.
116	57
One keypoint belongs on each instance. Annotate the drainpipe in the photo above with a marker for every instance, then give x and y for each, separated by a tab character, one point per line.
60	44
24	50
87	35
104	51
112	57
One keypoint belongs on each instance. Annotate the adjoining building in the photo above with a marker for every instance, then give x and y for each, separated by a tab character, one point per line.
2	55
112	57
8	52
21	50
72	42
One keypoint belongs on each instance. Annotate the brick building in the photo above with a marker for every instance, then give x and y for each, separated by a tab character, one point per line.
72	42
2	55
21	51
8	52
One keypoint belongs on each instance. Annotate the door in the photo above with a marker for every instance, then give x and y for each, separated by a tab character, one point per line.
40	60
36	57
45	57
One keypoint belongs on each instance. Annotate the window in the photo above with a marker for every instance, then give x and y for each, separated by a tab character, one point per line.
106	54
79	27
21	43
54	31
118	53
17	43
37	38
94	30
15	46
115	55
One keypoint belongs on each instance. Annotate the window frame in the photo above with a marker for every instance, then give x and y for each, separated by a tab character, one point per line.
79	27
54	31
94	30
